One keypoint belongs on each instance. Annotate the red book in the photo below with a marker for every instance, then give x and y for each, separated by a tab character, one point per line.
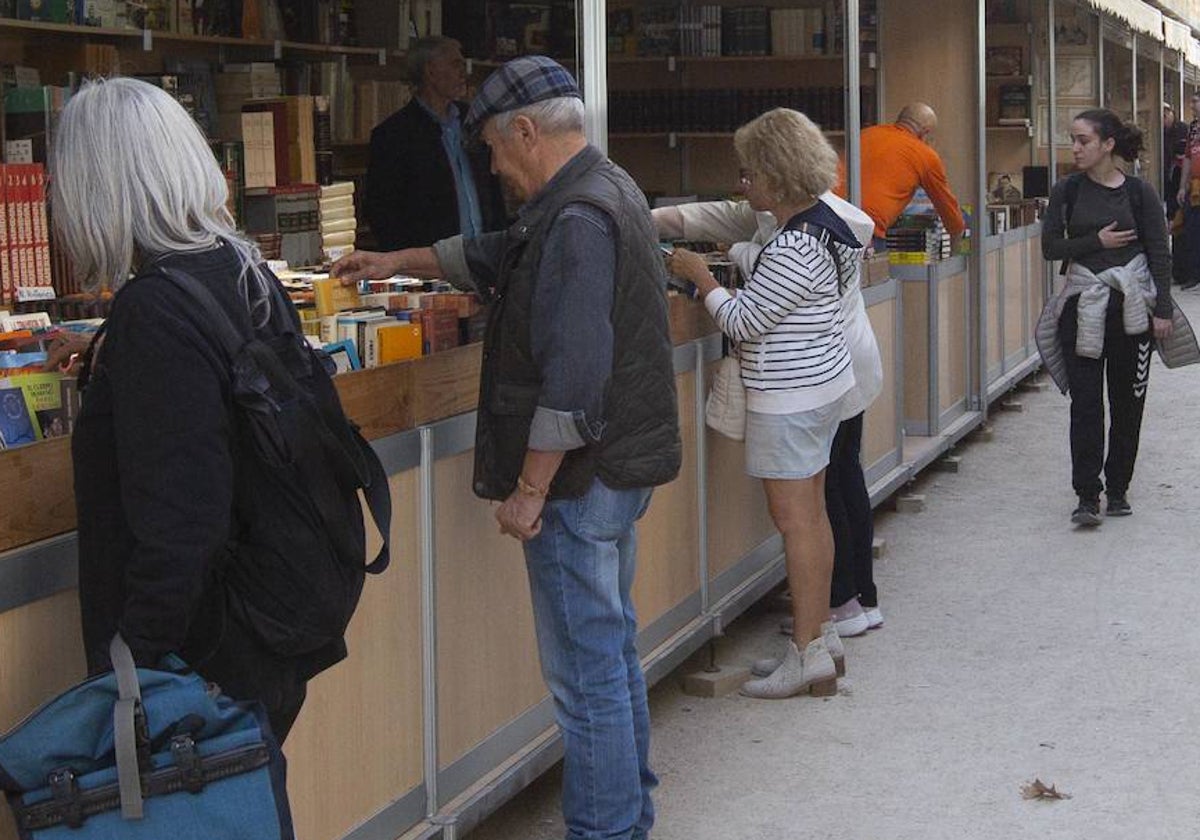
7	284
41	235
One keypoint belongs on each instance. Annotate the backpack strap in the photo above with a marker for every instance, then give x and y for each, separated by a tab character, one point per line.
350	456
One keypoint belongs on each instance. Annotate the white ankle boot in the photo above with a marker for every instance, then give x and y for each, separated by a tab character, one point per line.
810	672
833	642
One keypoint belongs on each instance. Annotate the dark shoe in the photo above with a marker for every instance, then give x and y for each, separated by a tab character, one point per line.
1088	513
1118	506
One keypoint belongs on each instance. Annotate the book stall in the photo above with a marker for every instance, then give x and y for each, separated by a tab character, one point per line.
439	714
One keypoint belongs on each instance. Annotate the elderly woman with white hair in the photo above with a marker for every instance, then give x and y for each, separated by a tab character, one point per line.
796	366
158	459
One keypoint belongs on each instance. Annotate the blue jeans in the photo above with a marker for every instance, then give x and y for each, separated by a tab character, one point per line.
581	569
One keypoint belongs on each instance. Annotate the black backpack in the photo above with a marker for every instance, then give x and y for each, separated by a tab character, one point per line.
296	564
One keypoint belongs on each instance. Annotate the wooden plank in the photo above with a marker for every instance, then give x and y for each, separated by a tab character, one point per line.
916	339
379	399
1014	297
39	492
880	433
954	353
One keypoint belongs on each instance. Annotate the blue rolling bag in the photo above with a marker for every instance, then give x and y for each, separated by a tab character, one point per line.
140	754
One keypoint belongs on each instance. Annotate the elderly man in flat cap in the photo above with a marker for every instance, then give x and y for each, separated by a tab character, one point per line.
577	415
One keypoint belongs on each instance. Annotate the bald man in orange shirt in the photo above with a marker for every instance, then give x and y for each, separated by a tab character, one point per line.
896	159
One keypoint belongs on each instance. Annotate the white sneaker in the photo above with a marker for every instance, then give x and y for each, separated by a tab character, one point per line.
850	619
874	617
811	672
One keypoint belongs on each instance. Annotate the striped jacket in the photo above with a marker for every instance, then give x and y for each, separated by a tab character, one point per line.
788	322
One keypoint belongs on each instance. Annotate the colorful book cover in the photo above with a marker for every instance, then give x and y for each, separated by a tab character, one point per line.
16	419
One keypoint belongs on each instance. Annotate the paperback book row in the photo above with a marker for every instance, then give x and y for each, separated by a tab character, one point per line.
35	404
396	319
658	111
303	224
25	267
712	30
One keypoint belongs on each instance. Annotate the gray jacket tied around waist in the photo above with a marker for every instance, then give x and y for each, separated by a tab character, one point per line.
1134	281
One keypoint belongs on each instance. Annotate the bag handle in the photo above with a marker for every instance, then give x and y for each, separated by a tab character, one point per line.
125	714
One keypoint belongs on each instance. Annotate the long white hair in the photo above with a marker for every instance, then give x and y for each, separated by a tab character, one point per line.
133	179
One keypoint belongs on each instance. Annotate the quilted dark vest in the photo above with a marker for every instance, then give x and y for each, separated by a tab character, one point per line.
639	445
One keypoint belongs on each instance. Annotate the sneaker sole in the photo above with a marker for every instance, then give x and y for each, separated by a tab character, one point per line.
1089	520
853	626
1120	513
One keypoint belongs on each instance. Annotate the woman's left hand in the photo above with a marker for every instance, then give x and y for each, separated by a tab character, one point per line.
691	266
1162	328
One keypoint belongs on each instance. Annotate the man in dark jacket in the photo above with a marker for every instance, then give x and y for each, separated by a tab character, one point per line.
423	182
577	415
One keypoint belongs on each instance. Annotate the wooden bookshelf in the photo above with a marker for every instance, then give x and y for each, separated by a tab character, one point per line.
27	27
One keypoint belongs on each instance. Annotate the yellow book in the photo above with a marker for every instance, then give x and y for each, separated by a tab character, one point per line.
331	296
399	341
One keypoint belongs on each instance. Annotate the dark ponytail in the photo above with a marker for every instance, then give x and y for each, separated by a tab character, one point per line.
1128	140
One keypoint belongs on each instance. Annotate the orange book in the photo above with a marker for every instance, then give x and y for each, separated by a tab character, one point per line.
399	341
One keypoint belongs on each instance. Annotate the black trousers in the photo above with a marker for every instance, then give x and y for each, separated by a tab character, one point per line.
1125	366
849	507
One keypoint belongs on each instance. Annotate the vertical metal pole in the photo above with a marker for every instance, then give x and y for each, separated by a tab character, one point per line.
1100	61
428	622
1156	116
701	476
594	23
978	261
1182	103
1133	91
1053	104
853	58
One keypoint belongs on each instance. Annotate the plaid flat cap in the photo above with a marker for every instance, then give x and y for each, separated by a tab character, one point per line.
522	81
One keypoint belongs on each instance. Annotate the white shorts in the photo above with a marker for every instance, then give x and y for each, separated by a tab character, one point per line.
791	446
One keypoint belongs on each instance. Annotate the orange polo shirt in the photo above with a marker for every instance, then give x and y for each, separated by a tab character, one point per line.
894	163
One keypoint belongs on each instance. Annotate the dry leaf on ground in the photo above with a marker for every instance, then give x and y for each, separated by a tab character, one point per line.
1037	789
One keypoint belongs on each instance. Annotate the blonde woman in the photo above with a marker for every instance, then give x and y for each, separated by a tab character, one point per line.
796	367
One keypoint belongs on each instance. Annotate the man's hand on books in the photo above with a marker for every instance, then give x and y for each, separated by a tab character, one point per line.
366	265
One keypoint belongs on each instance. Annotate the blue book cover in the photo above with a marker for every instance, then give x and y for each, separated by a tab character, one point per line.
16	425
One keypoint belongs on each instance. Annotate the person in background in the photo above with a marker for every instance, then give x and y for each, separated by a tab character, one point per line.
155	449
796	368
1116	301
854	599
1188	197
424	182
577	418
898	158
1005	192
1175	134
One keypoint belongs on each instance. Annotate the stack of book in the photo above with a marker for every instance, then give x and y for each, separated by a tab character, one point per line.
917	240
289	212
34	404
338	225
236	84
798	32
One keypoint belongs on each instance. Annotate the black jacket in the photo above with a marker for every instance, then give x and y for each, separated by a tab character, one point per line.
640	444
410	195
156	466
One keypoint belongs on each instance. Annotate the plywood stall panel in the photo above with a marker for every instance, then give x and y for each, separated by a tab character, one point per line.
879	424
668	548
953	352
738	521
929	57
357	742
995	335
41	654
1014	297
487	672
915	336
39	492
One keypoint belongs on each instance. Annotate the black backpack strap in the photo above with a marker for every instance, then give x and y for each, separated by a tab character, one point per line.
351	457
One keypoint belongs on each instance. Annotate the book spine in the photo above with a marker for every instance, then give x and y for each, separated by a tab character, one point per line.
6	278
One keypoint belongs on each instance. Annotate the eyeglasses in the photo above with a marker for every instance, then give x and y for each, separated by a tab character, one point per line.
745	177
